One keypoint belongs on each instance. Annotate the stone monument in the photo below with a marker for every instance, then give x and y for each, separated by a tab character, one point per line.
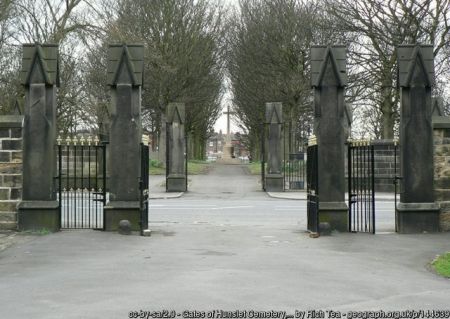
417	210
125	68
39	208
329	79
274	122
228	147
176	148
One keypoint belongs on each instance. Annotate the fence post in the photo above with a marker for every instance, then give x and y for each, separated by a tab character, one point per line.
39	208
329	79
125	68
417	211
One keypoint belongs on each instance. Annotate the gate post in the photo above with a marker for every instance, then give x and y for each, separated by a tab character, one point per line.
176	148
417	210
125	67
40	76
329	78
274	120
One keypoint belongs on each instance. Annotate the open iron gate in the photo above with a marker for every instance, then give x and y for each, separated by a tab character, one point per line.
312	189
361	186
81	183
143	186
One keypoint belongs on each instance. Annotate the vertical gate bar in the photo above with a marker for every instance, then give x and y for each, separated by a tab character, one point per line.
284	156
263	157
60	184
364	190
67	195
367	187
317	187
89	185
82	186
360	159
75	185
356	164
186	141
167	154
104	184
373	187
355	188
96	187
349	182
395	185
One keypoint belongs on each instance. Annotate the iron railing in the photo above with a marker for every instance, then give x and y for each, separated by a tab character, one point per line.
81	182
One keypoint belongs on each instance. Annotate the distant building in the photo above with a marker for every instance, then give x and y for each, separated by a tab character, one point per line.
214	145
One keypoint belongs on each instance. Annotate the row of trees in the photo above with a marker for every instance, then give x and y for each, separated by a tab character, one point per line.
268	60
260	48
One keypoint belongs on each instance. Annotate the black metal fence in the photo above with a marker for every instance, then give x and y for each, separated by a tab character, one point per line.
295	168
361	186
312	189
143	186
81	183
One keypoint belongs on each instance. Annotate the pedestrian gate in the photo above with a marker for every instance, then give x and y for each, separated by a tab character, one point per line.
143	186
312	189
361	186
81	183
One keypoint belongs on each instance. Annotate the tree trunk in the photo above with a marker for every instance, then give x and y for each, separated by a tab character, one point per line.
387	118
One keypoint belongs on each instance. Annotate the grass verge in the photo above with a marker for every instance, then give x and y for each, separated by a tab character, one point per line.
195	167
442	265
255	168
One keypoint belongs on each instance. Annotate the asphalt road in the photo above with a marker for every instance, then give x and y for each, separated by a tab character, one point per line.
224	246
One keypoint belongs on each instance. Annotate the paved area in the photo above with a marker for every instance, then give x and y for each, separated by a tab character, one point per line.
224	245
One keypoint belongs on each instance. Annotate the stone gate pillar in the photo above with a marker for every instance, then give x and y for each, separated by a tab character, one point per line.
329	78
176	148
417	210
40	77
125	68
274	122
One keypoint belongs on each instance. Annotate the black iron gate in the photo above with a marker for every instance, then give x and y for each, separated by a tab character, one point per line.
143	186
361	186
295	171
81	183
312	189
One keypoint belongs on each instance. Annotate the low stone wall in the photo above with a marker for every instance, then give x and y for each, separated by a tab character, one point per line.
441	137
10	169
384	165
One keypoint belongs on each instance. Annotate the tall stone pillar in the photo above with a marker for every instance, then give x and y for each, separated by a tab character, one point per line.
329	78
125	68
176	148
417	210
274	122
40	77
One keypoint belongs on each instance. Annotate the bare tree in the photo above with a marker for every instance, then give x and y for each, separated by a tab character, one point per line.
268	60
183	60
378	27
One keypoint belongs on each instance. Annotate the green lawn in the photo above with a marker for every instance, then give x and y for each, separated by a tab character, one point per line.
442	265
255	168
195	167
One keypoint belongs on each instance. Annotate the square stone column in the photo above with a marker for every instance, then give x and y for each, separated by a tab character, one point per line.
125	68
417	210
329	79
274	122
176	148
39	208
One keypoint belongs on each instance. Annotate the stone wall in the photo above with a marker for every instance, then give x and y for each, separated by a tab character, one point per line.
384	165
10	169
441	135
